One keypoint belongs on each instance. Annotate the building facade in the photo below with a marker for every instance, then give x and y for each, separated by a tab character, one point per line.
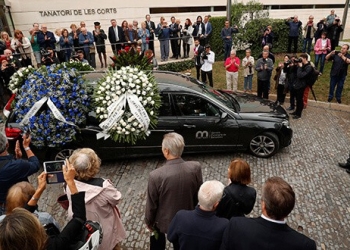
21	14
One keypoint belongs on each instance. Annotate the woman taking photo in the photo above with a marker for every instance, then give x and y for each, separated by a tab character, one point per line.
22	230
101	197
238	199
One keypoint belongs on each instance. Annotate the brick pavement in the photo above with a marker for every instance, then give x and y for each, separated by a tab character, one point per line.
322	211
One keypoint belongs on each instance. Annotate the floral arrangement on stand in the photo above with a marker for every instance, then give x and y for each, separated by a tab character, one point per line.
19	77
51	104
126	102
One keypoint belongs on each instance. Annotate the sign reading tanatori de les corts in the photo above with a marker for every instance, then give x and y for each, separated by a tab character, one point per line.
78	12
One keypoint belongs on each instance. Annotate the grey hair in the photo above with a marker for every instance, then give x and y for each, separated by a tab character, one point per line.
82	162
233	51
3	142
210	193
174	142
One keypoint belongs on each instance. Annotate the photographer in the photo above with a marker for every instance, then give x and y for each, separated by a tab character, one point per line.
291	69
333	32
303	73
79	56
48	57
208	57
264	67
341	60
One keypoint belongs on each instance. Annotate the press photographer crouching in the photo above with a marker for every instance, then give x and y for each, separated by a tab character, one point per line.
303	73
79	56
48	56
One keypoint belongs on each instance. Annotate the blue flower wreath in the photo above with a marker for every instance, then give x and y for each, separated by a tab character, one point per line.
67	91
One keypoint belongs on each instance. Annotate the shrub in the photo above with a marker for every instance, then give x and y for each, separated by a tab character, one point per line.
177	66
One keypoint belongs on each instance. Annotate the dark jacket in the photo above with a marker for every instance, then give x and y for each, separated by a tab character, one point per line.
196	229
293	28
257	233
237	200
15	171
50	42
111	35
303	74
228	32
264	74
197	58
68	235
196	29
2	47
333	33
150	27
291	74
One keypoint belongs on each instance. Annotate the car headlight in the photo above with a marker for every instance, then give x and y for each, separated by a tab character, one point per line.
286	123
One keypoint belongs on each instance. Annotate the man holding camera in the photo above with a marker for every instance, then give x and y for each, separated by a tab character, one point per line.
14	170
208	57
303	74
333	32
294	25
264	67
48	57
341	60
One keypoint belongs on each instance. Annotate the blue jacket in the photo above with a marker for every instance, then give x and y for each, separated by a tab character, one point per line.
82	39
196	230
66	45
50	42
208	29
293	28
228	32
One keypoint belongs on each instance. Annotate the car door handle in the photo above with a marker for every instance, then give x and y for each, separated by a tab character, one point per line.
189	126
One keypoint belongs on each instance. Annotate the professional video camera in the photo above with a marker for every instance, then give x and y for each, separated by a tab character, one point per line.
44	53
74	56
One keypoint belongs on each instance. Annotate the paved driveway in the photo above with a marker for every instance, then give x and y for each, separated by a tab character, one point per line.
322	211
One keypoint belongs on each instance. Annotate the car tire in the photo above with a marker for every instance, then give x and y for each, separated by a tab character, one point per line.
264	145
62	154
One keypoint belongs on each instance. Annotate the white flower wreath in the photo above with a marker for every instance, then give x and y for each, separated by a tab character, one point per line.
127	103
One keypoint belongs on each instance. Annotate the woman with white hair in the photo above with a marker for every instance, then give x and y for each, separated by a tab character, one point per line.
101	197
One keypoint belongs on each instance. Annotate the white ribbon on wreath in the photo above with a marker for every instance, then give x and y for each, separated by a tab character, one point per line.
57	114
117	109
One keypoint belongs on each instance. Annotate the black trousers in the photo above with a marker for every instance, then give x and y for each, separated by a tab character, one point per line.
210	77
299	94
293	39
263	88
173	45
151	44
280	93
186	48
198	69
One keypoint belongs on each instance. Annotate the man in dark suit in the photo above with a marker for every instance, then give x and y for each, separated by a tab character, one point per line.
151	27
270	231
198	50
171	187
46	38
200	228
115	36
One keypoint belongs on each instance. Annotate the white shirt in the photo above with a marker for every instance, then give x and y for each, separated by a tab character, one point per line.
116	33
274	221
208	63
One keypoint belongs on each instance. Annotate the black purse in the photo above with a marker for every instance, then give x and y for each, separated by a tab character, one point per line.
157	241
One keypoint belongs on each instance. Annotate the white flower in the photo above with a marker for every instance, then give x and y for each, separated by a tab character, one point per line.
102	88
117	83
132	130
127	132
109	103
128	126
149	99
150	85
143	92
30	67
123	84
105	116
151	113
140	98
108	87
101	116
119	128
151	94
99	92
134	77
123	130
132	85
26	70
138	86
123	90
108	98
104	102
144	103
130	80
137	81
135	124
104	84
97	99
140	125
138	92
20	74
102	109
117	87
101	98
124	124
148	89
119	92
112	89
97	111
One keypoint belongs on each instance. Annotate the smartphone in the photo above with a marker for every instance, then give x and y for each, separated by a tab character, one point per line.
337	52
54	170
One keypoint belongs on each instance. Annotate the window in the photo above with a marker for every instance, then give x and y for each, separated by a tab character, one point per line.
189	105
165	109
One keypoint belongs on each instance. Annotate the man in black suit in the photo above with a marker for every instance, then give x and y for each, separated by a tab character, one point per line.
115	36
198	50
151	27
270	231
173	35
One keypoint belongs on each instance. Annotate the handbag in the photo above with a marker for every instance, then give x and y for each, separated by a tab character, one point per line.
63	201
92	49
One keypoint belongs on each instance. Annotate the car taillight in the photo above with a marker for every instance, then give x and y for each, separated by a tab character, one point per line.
12	133
7	109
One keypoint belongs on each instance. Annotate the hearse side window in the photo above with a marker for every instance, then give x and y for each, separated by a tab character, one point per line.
190	105
165	108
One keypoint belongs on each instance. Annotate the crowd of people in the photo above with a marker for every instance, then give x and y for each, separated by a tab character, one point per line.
179	206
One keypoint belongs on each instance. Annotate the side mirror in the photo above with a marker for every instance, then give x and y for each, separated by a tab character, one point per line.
223	117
